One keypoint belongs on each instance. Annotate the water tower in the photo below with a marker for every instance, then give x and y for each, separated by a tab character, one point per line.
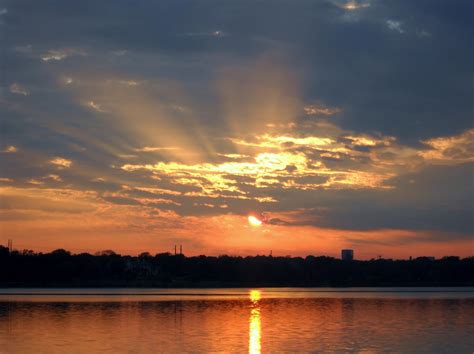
347	255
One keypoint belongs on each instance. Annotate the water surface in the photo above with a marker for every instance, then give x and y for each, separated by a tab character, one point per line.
236	320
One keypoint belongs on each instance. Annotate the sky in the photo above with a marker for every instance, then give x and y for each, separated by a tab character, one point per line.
138	125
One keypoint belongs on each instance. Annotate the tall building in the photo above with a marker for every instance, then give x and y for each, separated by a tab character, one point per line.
347	255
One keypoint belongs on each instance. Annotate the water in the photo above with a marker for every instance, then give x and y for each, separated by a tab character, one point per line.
236	320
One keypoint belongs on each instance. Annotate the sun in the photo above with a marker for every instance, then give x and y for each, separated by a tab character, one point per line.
254	221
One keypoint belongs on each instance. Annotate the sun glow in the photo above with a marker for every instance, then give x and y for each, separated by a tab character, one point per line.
254	221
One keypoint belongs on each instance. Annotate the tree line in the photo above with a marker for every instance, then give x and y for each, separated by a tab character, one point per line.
60	268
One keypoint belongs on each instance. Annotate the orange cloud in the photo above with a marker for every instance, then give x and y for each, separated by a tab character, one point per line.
61	162
10	149
450	149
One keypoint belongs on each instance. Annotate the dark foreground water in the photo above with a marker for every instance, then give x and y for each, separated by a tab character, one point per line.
236	320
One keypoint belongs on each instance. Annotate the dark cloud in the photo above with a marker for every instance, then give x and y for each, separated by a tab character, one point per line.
438	198
401	84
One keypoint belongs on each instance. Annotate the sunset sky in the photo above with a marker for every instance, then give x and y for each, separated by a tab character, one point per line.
138	125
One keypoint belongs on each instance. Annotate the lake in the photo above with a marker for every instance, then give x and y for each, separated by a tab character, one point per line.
365	320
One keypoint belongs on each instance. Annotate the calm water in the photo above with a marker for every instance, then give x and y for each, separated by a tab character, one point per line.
236	320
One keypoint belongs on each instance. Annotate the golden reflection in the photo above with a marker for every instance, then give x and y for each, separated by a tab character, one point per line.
254	323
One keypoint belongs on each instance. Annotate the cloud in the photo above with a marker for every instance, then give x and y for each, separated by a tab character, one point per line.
369	141
18	89
95	106
61	54
395	26
314	110
61	162
423	33
44	180
277	221
291	162
450	149
35	182
53	177
3	11
68	80
352	5
159	191
130	83
270	164
234	156
9	149
127	156
99	179
48	202
155	148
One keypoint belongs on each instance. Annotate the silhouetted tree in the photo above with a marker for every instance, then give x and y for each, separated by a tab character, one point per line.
106	268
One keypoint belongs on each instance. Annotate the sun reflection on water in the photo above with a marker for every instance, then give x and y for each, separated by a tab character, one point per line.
254	323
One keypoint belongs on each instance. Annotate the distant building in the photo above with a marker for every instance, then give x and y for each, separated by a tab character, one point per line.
347	255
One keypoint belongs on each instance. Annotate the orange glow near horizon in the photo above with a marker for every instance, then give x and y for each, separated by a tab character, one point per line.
221	234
